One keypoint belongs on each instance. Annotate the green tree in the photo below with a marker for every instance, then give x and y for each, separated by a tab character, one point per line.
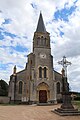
3	88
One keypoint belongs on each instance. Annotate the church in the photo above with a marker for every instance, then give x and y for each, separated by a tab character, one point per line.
38	82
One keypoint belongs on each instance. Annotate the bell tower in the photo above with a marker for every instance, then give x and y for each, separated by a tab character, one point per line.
41	36
43	62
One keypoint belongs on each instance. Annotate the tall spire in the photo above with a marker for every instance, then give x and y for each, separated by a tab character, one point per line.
40	26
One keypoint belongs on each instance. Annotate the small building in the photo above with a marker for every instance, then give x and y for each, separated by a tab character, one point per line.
38	82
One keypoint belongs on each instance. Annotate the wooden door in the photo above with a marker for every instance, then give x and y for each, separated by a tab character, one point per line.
42	96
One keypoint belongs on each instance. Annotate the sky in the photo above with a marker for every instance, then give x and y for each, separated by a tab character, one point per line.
18	22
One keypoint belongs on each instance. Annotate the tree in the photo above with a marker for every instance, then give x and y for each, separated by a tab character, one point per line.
3	88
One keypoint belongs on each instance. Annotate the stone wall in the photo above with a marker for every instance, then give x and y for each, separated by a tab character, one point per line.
4	99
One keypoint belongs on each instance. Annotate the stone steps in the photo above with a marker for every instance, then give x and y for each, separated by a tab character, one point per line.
44	104
66	112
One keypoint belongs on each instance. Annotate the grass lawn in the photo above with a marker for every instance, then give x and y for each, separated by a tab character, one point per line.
76	103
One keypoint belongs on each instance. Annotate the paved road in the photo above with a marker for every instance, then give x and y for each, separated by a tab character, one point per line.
32	112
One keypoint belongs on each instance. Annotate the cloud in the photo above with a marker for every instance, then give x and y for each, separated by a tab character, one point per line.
7	21
64	13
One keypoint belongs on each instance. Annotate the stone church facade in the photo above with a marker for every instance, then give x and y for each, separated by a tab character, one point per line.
38	82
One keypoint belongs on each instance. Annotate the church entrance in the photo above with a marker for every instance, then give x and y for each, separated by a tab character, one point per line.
43	93
42	96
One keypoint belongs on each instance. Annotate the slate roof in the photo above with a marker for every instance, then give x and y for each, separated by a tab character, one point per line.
40	26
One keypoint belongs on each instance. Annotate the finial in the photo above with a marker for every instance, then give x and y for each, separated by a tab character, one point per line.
14	70
40	12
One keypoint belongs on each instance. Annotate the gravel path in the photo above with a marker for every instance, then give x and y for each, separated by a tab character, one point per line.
32	112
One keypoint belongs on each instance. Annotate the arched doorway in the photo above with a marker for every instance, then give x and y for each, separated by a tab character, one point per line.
43	94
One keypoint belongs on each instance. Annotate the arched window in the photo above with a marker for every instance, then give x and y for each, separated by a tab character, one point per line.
42	40
31	62
58	88
44	43
45	72
20	87
40	72
38	40
33	86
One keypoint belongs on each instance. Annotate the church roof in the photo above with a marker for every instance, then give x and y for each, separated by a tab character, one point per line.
40	26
